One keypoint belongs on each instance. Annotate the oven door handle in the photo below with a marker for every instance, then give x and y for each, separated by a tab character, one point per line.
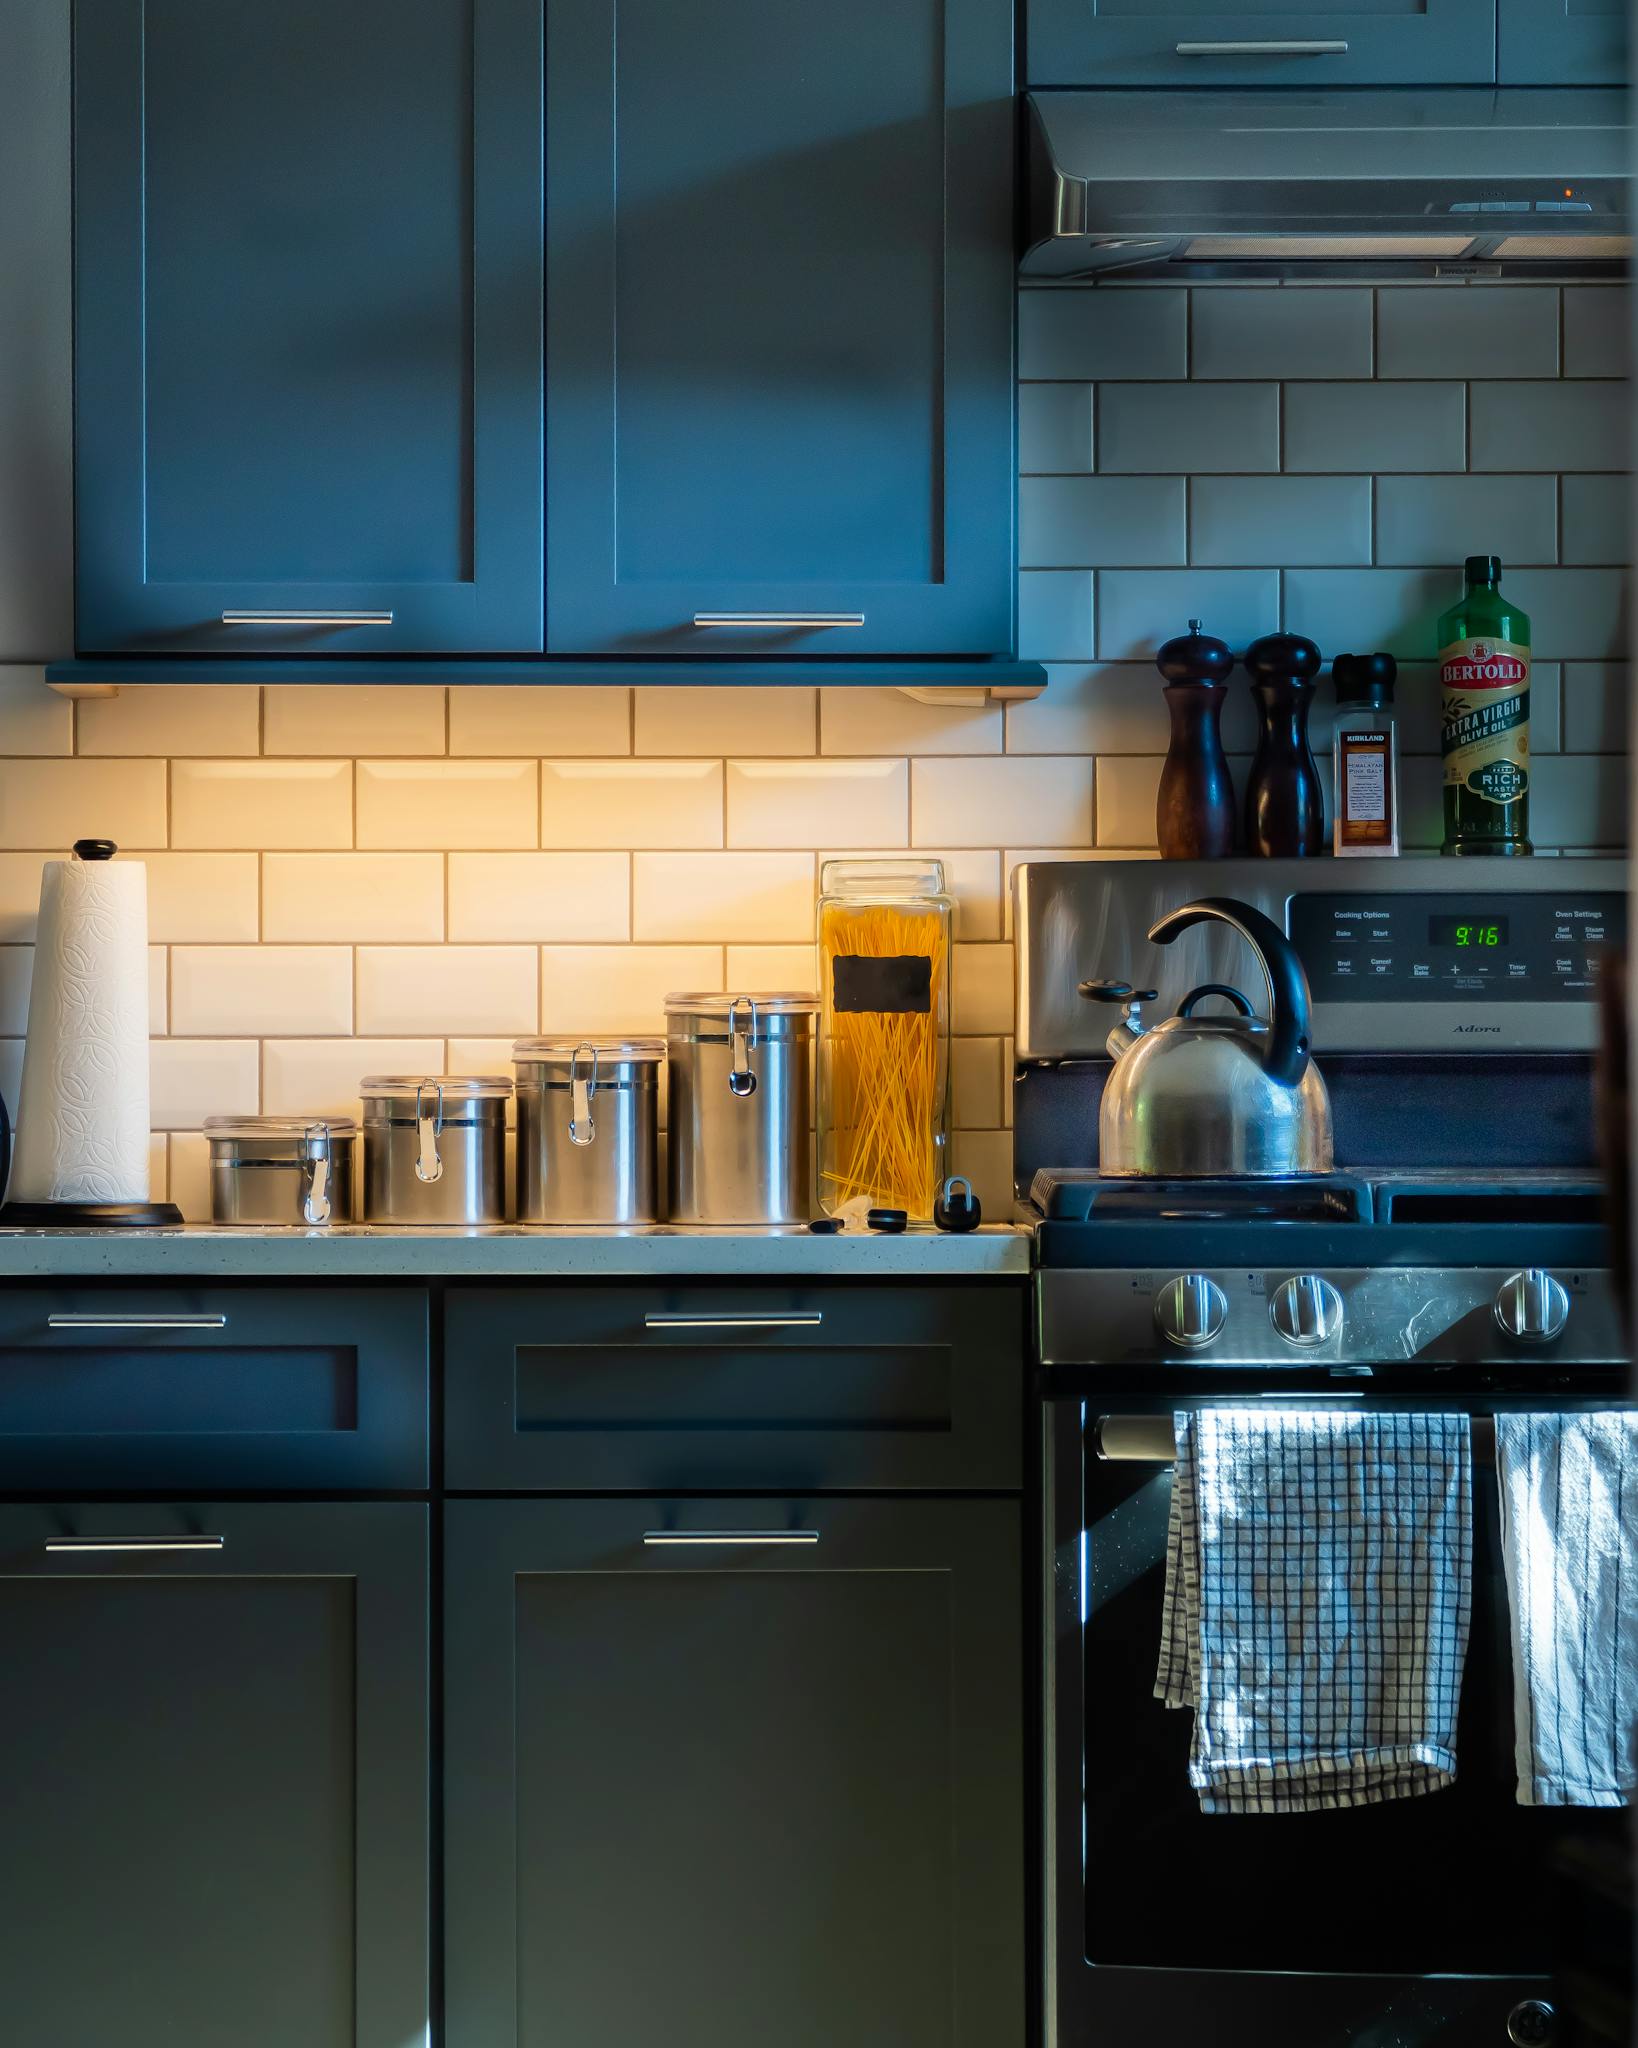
1151	1439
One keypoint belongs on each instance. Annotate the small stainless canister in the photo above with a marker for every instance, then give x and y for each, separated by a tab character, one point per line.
435	1148
741	1108
289	1172
588	1129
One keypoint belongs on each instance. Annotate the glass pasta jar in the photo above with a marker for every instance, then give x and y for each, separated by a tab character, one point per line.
884	1034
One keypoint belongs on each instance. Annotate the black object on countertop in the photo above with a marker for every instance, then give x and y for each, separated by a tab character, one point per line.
1285	805
1194	807
957	1208
825	1226
890	1222
90	1216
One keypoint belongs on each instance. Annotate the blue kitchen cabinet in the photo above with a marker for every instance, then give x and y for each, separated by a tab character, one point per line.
1562	42
308	326
732	1792
1279	42
779	319
214	1774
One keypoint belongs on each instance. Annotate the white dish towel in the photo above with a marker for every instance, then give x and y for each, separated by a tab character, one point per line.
1569	1518
1319	1580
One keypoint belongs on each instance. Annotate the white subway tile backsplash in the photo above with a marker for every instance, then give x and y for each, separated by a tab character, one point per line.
616	805
1465	330
771	970
1055	615
171	719
1092	334
320	1076
1188	429
265	805
537	897
975	1084
1127	786
1597	519
1440	519
188	1176
420	989
1575	614
498	719
1579	801
1252	332
353	718
1395	610
1116	707
856	720
807	803
1019	796
981	988
352	897
688	721
752	897
192	1078
159	992
1140	609
201	898
20	897
1597	330
1054	429
1336	428
261	991
985	1158
52	803
591	989
1245	521
1100	521
16	977
1550	426
1597	697
470	805
33	718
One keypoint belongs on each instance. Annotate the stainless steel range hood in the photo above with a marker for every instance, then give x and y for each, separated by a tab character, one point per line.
1464	182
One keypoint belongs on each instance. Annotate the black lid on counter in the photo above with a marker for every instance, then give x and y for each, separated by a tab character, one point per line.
1365	679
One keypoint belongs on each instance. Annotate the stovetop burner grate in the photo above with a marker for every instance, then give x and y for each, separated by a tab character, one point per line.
1085	1196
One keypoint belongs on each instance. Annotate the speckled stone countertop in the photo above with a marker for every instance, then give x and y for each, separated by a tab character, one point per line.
200	1253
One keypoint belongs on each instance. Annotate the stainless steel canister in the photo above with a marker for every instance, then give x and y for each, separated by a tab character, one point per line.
435	1148
588	1129
291	1172
741	1109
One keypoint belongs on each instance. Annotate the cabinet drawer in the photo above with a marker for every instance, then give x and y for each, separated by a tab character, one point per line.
131	1389
662	1389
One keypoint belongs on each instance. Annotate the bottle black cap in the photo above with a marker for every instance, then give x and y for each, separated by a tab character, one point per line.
1365	679
1483	568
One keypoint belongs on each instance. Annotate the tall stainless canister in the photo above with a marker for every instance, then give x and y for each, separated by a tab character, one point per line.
435	1148
293	1172
741	1111
588	1129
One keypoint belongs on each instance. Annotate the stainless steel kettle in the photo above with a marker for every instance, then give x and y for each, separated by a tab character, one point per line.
1197	1096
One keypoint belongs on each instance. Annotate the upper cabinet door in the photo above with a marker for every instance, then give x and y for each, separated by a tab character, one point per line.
779	327
1280	42
1562	42
308	287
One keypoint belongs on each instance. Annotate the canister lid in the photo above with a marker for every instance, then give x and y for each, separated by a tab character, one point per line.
454	1087
280	1126
560	1051
715	1007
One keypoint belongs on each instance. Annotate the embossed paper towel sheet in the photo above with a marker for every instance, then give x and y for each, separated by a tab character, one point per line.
82	1116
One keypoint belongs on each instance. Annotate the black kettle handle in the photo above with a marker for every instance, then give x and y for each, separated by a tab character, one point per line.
1289	1020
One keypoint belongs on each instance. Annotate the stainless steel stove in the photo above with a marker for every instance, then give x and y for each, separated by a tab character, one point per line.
1455	1259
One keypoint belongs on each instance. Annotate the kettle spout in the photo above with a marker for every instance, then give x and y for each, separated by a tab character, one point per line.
1124	1035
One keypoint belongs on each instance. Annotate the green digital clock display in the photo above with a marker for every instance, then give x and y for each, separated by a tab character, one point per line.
1468	934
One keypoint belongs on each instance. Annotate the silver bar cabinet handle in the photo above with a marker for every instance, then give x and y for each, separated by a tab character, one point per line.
307	618
693	1539
1150	1439
1276	48
776	621
86	1546
798	1319
117	1322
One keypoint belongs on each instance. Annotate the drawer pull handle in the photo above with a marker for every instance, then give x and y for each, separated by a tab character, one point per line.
692	1539
1287	48
798	1319
307	618
781	622
85	1546
113	1322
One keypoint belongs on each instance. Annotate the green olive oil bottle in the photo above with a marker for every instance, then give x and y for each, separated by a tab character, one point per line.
1484	674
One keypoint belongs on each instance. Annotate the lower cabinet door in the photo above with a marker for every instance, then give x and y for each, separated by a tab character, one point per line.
727	1773
213	1776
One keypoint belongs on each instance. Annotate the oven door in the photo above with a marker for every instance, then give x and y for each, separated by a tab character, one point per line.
1421	1921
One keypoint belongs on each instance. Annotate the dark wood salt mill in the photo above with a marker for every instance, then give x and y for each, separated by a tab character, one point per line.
1285	804
1194	811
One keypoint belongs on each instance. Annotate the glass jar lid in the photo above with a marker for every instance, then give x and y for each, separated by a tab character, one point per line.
897	878
452	1087
280	1126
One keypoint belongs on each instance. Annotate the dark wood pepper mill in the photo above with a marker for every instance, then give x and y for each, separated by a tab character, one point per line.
1285	805
1194	810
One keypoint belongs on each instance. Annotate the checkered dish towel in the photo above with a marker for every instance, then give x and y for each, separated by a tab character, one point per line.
1319	1575
1569	1518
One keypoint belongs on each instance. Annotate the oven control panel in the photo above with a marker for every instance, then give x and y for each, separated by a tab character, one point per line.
1476	944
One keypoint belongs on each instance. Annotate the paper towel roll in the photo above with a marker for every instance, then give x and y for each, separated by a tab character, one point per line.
82	1116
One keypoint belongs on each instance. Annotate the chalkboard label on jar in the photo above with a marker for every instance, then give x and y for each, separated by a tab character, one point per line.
884	983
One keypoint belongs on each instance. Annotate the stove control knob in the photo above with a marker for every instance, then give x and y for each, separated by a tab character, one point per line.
1531	2024
1306	1310
1190	1311
1532	1307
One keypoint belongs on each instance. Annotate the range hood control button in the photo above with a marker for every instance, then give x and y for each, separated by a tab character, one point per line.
1306	1310
1532	1307
1190	1311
